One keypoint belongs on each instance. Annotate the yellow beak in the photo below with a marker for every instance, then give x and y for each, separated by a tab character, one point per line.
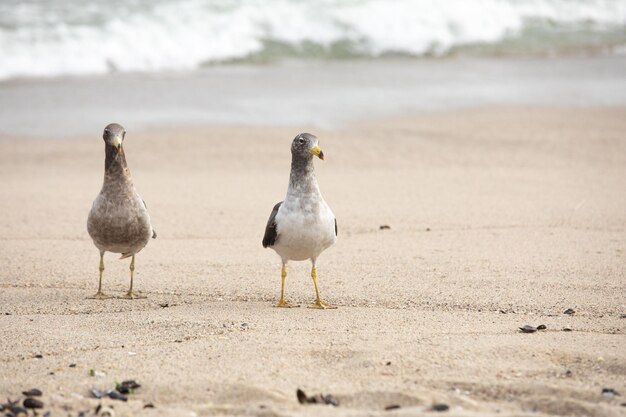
117	143
317	152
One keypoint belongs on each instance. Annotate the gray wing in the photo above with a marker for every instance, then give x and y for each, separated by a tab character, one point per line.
335	227
154	235
270	230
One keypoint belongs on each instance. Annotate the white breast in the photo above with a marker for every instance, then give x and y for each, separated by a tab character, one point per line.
305	227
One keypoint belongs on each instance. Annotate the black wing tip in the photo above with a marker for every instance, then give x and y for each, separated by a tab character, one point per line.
335	227
270	230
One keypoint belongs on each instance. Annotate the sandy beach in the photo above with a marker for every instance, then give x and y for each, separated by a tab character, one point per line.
499	217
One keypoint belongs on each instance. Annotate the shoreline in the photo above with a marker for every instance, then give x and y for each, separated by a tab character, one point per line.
320	95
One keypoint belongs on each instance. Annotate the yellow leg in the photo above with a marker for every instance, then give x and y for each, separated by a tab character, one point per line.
100	295
282	302
318	301
131	295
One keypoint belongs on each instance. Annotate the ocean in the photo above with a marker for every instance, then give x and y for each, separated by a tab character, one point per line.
52	38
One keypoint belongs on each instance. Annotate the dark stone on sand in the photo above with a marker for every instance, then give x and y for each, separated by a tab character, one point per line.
72	365
302	398
567	329
128	386
392	407
610	392
569	311
327	399
96	393
541	327
441	407
33	392
38	356
149	405
32	403
527	328
116	395
384	227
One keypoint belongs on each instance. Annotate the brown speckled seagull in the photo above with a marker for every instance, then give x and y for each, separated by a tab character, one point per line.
118	221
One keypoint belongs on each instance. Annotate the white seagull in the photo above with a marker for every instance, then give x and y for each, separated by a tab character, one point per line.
302	226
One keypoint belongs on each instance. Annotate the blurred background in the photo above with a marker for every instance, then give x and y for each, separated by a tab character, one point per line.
154	62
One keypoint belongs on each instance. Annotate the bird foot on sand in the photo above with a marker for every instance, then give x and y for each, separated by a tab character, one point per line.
320	305
285	304
99	296
131	295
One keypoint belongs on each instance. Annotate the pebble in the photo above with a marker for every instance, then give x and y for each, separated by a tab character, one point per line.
441	407
116	395
127	386
327	399
33	392
392	407
384	227
609	392
32	403
527	328
569	311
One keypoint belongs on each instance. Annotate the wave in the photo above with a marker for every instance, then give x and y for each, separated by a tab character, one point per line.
46	38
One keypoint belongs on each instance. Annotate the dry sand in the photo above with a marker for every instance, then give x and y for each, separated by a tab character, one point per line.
499	217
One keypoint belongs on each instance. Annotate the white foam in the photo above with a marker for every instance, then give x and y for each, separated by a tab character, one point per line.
69	37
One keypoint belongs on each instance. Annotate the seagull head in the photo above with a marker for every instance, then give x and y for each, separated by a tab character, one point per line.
306	145
114	136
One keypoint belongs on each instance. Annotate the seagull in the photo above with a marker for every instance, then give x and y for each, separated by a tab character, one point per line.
302	226
118	221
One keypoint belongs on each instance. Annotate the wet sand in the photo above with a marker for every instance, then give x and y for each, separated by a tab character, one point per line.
498	216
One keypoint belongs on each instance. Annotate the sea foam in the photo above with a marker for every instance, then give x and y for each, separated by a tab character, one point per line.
72	37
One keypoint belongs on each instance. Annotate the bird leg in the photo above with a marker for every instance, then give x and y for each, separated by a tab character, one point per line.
282	302
130	294
100	295
318	301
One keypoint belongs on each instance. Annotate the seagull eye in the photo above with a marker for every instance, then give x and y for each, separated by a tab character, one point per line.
301	141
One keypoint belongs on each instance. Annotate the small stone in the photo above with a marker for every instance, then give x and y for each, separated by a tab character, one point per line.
569	311
96	393
392	407
428	229
72	365
33	392
327	399
32	403
441	407
330	400
18	411
116	395
527	328
609	392
567	329
128	386
384	227
38	356
149	405
302	397
541	327
388	363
